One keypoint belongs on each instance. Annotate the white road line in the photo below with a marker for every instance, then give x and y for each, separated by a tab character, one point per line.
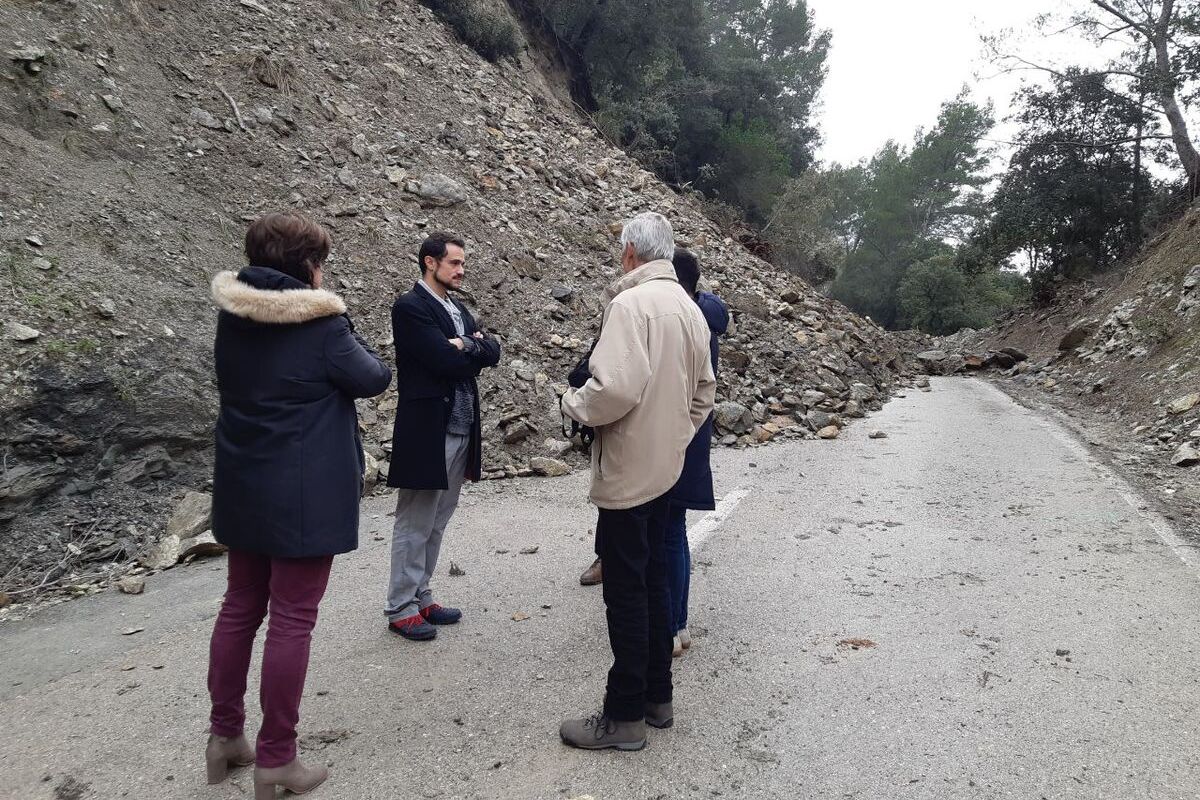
1061	428
713	519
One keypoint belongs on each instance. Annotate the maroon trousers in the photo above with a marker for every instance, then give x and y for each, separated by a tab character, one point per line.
292	589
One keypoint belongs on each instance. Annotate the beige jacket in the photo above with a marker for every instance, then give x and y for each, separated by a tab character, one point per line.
652	387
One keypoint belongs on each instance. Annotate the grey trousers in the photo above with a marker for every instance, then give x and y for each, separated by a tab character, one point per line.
421	518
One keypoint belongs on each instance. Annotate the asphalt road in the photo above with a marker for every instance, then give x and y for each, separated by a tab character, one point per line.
970	608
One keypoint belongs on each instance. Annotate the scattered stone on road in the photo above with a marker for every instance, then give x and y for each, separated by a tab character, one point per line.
133	584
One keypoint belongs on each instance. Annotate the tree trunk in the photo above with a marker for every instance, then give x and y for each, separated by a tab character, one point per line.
1165	83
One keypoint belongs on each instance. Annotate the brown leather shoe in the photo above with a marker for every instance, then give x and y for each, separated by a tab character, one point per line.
294	777
224	752
592	575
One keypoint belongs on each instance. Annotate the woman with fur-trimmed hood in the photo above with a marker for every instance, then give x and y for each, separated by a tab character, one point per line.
286	483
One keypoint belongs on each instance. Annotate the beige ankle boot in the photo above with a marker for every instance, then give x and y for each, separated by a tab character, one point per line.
295	777
224	752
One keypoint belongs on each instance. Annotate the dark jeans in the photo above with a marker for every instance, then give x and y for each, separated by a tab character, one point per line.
679	566
292	588
631	545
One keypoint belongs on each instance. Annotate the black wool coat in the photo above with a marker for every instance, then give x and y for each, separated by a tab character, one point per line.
428	368
694	489
288	472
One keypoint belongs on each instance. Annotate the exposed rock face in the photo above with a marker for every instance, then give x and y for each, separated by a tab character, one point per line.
382	128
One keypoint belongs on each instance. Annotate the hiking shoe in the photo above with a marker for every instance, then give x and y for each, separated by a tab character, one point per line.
592	575
599	732
660	715
413	628
437	615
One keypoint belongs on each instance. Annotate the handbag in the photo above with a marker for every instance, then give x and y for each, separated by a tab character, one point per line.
576	378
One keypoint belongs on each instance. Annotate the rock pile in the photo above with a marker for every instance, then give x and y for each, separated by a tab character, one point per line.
143	138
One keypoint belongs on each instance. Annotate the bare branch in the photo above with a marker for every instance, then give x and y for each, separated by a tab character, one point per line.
1121	15
1035	67
236	111
1114	32
1088	145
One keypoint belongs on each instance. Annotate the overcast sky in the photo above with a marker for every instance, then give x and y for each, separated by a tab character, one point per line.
894	63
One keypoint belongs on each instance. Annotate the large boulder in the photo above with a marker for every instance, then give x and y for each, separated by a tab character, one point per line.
1186	456
940	362
1075	337
437	191
549	467
1182	405
731	417
1189	293
191	517
1000	360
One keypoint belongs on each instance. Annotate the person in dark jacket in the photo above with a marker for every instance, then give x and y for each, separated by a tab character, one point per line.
437	442
694	489
286	483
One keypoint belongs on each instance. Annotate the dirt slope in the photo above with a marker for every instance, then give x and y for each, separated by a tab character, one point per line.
140	137
1122	356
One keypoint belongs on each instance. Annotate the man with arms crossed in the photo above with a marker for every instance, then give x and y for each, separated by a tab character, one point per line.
437	440
652	386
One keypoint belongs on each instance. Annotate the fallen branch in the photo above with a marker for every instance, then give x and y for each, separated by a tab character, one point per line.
237	114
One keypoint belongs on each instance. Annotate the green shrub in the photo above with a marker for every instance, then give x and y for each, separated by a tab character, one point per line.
488	31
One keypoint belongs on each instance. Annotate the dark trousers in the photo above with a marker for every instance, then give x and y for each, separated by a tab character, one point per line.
631	545
292	589
679	566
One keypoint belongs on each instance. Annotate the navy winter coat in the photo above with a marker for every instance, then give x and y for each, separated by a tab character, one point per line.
427	369
289	463
694	489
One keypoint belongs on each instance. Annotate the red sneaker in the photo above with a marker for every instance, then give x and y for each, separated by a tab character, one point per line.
413	628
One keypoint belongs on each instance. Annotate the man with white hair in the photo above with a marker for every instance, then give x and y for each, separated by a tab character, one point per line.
652	387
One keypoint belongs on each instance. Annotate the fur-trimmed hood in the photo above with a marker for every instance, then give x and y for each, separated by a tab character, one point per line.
273	306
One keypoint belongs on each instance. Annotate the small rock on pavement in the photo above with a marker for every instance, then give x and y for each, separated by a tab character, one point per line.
133	584
829	432
878	434
1186	456
20	333
549	467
